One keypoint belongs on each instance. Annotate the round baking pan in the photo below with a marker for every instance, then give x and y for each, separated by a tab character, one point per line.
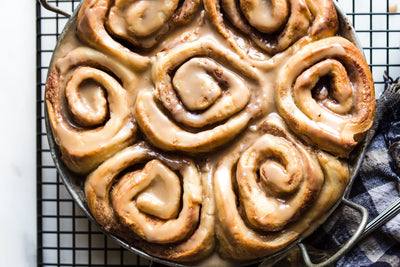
75	184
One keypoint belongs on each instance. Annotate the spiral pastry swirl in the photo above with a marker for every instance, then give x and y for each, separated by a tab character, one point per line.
89	108
91	29
274	25
207	94
141	23
281	187
159	203
326	95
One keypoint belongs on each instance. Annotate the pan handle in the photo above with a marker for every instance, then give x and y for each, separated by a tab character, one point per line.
47	6
345	247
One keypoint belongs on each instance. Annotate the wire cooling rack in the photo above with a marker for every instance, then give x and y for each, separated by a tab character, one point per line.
65	237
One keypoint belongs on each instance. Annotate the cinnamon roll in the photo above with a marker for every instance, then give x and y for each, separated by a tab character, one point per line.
325	93
158	203
141	23
273	25
205	96
272	192
89	109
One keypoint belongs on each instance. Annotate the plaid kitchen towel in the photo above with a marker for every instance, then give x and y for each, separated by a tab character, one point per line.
376	187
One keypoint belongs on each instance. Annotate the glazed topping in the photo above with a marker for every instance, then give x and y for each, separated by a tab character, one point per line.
167	135
86	97
144	17
265	16
85	116
93	96
341	111
173	215
196	83
159	192
89	108
200	81
279	179
338	97
283	191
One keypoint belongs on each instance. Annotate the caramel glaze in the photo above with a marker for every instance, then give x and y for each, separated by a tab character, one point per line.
203	95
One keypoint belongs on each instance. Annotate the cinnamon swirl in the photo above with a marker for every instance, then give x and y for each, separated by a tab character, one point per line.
159	203
89	109
325	93
209	95
273	25
141	23
269	194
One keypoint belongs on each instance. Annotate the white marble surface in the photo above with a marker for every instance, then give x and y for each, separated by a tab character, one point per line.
17	134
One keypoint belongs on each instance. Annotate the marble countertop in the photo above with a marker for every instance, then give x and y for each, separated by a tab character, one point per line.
18	138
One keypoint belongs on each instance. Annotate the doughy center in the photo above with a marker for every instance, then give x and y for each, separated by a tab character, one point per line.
161	197
197	88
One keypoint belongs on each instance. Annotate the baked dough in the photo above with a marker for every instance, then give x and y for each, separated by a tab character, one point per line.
336	114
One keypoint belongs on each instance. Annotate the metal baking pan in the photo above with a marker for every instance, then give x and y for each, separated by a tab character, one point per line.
75	184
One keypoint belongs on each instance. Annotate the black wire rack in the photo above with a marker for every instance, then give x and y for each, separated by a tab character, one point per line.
65	237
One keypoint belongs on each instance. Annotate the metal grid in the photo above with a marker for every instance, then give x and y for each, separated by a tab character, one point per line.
65	237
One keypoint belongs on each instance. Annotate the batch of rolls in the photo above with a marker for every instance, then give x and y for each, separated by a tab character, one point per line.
214	126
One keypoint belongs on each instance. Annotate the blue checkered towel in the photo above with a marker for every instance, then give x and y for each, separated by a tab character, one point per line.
376	187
